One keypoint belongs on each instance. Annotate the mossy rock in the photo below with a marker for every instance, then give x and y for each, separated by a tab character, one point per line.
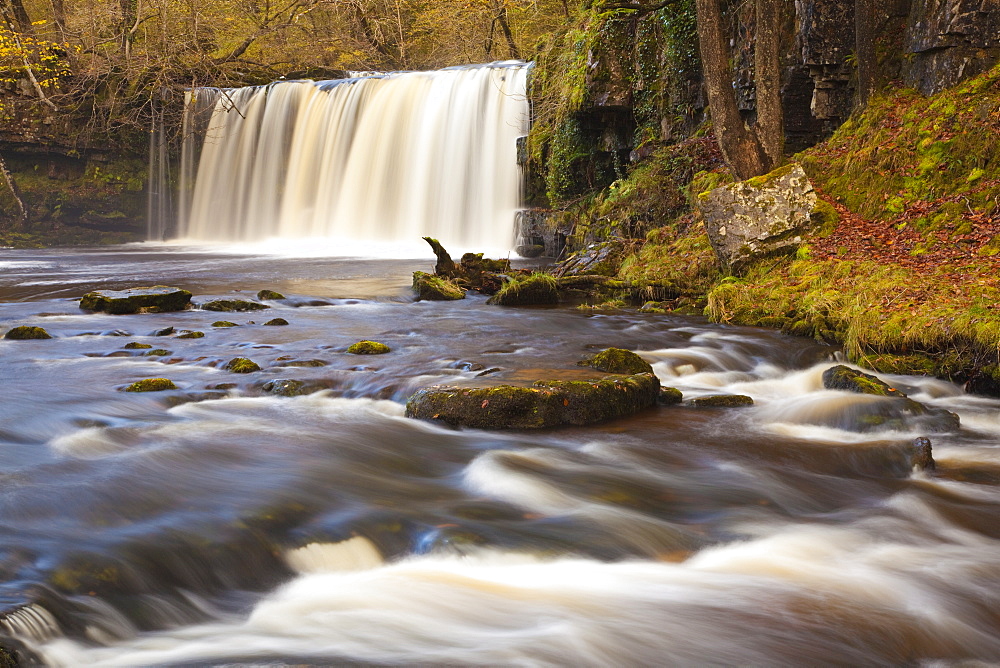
435	288
224	323
191	335
157	352
844	378
26	333
368	348
229	305
285	387
276	322
135	345
536	289
242	365
151	385
269	294
618	360
722	401
543	404
670	396
157	299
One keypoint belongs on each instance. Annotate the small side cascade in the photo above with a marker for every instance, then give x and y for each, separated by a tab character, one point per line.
379	157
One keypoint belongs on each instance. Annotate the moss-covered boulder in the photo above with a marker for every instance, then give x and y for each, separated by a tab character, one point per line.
264	295
368	348
285	387
242	365
26	332
618	360
157	352
151	385
845	378
224	323
722	401
229	305
156	299
435	288
543	404
534	289
276	322
135	345
670	396
191	334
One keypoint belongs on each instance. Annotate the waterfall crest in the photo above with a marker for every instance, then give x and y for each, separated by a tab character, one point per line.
385	157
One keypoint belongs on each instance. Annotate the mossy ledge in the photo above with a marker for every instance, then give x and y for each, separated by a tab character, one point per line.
543	404
157	299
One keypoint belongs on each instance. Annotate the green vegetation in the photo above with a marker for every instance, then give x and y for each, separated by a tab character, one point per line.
229	305
538	288
224	323
618	360
435	288
368	348
242	365
151	385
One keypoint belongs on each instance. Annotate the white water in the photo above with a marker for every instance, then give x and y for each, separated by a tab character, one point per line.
374	159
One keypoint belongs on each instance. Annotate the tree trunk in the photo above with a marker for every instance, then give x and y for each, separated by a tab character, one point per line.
16	17
864	47
59	17
500	7
739	144
767	80
22	218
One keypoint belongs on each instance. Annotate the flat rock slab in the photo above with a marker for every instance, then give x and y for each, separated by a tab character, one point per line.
542	404
156	299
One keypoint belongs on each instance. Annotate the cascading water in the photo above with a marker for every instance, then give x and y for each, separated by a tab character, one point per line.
389	157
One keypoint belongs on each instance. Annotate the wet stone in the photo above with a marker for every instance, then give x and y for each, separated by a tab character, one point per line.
151	385
135	345
166	331
618	360
242	365
224	323
285	387
157	352
233	305
191	335
156	299
264	295
722	401
670	396
26	332
276	322
368	348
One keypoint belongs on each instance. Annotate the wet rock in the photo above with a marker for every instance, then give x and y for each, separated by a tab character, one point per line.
285	387
444	266
233	305
670	396
190	334
543	404
600	259
26	332
435	288
722	401
135	345
368	348
923	457
303	363
166	331
465	365
489	371
895	414
618	360
530	250
761	217
224	323
242	365
151	385
532	290
845	378
157	299
157	352
276	322
264	295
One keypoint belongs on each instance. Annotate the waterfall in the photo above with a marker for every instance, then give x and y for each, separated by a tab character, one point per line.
383	157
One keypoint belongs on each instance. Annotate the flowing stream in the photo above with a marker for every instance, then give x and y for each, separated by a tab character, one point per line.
220	524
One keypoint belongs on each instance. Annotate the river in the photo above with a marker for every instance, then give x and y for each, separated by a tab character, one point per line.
219	524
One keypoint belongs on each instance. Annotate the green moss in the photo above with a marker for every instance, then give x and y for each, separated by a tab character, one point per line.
224	323
618	360
531	290
151	385
264	295
156	299
670	396
825	217
276	322
242	365
26	332
191	335
134	345
157	352
765	179
233	305
722	401
841	377
435	288
368	348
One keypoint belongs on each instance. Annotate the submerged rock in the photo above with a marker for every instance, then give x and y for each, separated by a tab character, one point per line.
166	331
285	387
233	305
435	288
761	217
242	365
269	294
157	299
923	456
529	291
368	348
151	385
618	360
26	333
276	322
845	378
722	401
543	404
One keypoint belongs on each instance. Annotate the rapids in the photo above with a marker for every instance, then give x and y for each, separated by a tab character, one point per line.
219	524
